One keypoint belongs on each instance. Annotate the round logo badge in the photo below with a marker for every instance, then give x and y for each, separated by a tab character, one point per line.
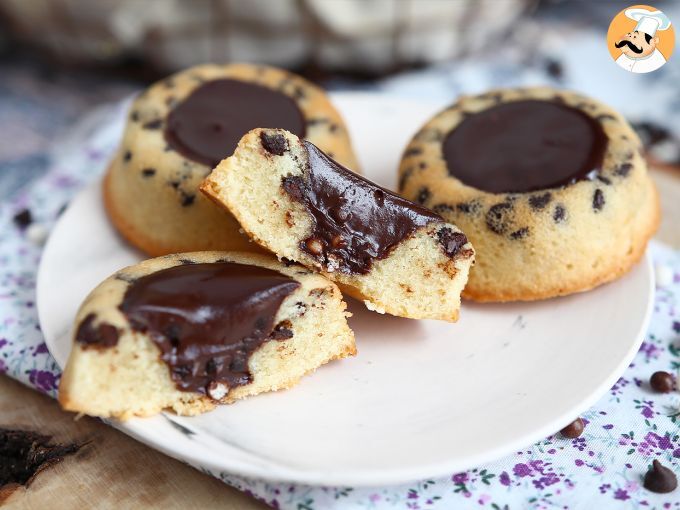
641	39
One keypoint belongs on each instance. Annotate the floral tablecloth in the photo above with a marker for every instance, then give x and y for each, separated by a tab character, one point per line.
628	428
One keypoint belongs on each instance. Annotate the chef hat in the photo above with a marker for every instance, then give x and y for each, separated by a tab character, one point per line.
648	21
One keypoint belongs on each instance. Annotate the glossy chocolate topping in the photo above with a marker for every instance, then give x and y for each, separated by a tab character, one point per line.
207	319
208	124
355	220
525	146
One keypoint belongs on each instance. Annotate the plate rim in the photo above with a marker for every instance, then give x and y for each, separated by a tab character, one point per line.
396	475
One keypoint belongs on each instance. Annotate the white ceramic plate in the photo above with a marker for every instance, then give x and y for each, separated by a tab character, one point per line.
421	399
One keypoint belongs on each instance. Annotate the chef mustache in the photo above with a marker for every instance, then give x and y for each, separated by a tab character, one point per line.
626	42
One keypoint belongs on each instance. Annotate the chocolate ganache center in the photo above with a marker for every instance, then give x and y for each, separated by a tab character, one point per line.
525	146
207	126
207	319
354	220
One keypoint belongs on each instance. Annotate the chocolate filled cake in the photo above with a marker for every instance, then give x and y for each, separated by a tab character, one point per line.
188	332
295	200
182	127
550	186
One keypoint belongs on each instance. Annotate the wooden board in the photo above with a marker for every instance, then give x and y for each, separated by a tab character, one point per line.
116	471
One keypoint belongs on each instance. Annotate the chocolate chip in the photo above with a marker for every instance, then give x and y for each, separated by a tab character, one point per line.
181	371
497	217
604	180
134	116
442	208
287	262
127	156
598	200
414	151
662	382
422	165
188	199
519	234
314	246
379	196
660	479
149	172
103	335
274	143
153	124
23	219
333	128
424	195
314	122
186	262
211	367
172	333
538	202
559	214
299	93
239	363
451	241
623	170
282	331
294	186
471	207
574	429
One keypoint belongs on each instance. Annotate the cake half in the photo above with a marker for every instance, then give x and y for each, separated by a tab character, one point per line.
297	202
187	332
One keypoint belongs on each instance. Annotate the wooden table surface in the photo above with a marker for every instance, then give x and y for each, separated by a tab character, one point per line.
115	471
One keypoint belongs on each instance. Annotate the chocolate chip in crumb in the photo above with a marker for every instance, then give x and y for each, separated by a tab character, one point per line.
520	233
127	156
574	429
560	213
623	170
414	151
598	200
23	219
149	172
451	241
497	217
274	143
660	479
134	116
282	331
424	195
662	382
153	124
188	199
314	246
538	202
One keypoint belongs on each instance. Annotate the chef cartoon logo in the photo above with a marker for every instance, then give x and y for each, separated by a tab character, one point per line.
641	39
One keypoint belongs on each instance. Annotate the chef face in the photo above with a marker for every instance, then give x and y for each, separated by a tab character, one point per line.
637	44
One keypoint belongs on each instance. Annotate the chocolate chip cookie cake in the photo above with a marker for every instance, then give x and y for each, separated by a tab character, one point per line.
183	126
296	201
550	186
187	332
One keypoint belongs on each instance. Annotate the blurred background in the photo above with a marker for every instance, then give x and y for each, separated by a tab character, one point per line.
61	58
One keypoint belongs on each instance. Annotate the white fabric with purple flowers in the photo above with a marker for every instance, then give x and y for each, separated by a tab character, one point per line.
628	428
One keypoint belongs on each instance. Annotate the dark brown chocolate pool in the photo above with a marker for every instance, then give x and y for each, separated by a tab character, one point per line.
207	319
355	220
208	124
525	146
